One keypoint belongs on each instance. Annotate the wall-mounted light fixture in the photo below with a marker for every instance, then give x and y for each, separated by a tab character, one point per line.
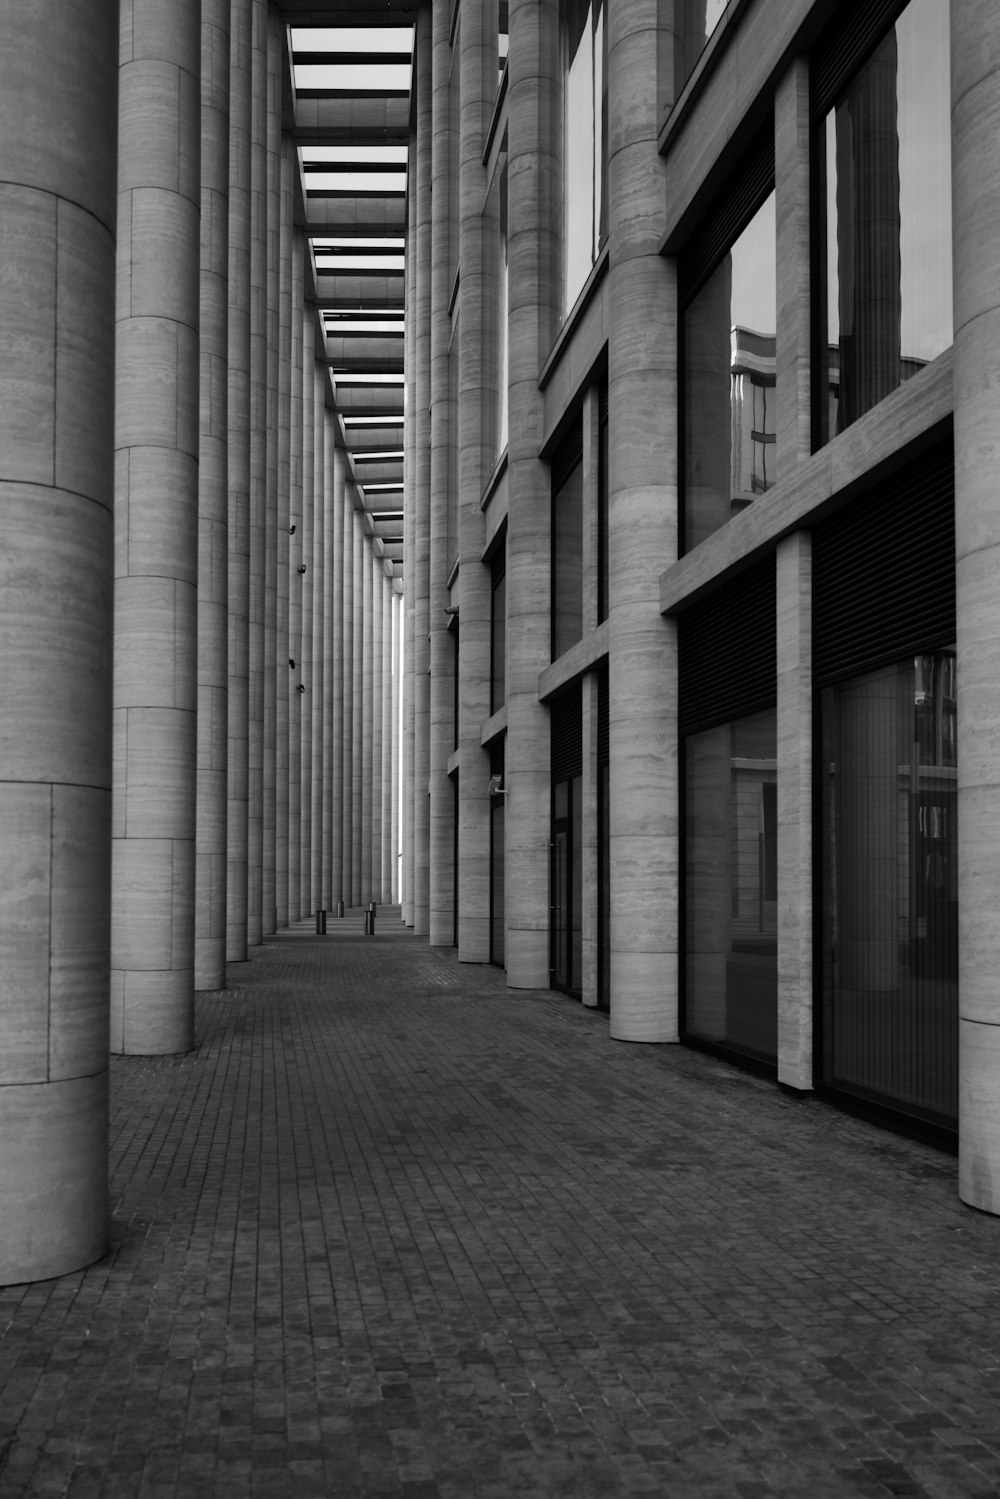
497	787
291	663
300	687
302	567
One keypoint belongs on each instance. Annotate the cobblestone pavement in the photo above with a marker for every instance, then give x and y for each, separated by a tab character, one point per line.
393	1230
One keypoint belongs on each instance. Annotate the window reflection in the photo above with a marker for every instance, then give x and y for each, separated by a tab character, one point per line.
495	231
890	874
583	48
884	169
696	20
731	943
729	382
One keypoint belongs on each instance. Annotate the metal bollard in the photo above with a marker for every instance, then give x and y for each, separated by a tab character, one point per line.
321	923
340	908
370	922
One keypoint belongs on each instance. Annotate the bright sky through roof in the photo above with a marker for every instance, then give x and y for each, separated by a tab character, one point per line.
362	154
356	182
352	39
385	77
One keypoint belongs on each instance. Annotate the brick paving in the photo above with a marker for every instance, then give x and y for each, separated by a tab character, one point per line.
393	1230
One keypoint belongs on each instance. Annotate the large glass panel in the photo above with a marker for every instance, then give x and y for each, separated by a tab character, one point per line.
583	50
566	931
567	562
695	20
884	164
729	372
497	866
495	325
604	883
498	637
602	520
890	887
731	943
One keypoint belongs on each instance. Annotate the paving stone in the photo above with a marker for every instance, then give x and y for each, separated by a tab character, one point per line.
391	1230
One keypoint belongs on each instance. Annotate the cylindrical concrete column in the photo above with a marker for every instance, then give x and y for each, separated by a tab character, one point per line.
295	560
213	505
258	471
283	649
240	85
642	540
478	379
975	72
367	746
418	560
347	652
376	878
156	529
441	721
409	510
271	652
318	641
386	809
337	468
397	703
308	599
57	298
357	718
533	245
329	600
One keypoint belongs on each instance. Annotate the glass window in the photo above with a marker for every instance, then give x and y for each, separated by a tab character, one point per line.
495	227
583	53
497	864
890	887
729	371
883	168
498	633
695	22
503	34
602	511
731	870
566	931
567	561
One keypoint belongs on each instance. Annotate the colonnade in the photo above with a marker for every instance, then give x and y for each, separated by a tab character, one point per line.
199	637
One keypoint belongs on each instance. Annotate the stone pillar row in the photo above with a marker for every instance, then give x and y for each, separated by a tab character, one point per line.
168	464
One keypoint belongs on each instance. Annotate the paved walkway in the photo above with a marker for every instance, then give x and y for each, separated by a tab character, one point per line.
393	1230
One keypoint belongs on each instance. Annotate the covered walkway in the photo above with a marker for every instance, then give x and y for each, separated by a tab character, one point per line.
392	1230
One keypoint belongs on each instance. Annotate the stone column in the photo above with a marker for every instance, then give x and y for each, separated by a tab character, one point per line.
156	528
295	555
533	251
642	540
238	478
418	560
477	391
283	649
258	471
357	718
795	811
387	753
376	735
347	652
331	603
272	655
441	725
367	720
306	905
793	440
337	469
58	119
213	505
396	601
319	608
975	74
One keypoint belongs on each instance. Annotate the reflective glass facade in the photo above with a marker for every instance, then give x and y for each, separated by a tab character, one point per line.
731	876
882	168
729	382
567	561
890	886
695	20
583	57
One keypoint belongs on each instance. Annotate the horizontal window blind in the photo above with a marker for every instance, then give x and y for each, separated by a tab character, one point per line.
567	734
727	650
884	571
